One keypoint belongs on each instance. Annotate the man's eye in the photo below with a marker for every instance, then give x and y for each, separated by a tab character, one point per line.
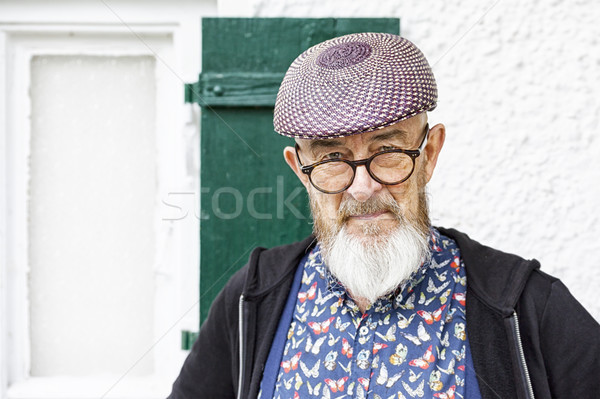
387	147
333	155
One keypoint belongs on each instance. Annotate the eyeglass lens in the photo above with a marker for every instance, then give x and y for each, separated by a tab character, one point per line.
389	168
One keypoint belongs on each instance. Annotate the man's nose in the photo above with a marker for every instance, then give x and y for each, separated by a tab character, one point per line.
363	186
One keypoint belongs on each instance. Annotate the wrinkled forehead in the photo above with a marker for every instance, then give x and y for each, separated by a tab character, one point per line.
404	134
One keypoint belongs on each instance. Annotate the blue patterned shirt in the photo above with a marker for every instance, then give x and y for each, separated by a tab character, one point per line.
411	343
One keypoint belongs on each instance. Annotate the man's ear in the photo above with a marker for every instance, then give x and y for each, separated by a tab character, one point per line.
289	154
435	142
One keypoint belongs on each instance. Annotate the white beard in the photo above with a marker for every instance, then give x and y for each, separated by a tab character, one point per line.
373	268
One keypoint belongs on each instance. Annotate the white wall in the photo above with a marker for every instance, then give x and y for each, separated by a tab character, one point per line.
519	84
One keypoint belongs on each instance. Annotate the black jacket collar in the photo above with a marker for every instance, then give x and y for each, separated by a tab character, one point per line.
496	277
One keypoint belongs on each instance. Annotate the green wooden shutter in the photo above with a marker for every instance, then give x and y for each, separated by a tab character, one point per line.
249	196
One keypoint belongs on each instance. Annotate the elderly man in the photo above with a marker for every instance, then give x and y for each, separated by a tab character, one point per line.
380	304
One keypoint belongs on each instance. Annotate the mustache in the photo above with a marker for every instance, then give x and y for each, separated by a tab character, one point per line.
350	207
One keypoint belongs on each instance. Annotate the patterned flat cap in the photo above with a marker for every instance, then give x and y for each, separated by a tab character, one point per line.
354	84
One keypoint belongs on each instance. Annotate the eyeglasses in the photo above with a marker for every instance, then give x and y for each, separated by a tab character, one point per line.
388	167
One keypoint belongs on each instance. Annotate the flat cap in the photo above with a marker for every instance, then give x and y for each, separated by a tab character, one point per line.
354	84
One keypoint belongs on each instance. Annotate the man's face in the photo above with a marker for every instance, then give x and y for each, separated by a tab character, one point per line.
373	236
369	210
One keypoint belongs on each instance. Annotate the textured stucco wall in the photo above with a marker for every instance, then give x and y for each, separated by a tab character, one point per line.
519	84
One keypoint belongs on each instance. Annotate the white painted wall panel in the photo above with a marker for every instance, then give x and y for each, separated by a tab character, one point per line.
91	209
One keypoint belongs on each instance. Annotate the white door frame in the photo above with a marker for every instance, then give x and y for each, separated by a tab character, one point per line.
177	243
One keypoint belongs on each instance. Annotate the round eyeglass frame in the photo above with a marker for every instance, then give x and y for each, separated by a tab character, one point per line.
414	154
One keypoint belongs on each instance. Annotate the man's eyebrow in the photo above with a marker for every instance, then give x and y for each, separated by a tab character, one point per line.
390	134
319	144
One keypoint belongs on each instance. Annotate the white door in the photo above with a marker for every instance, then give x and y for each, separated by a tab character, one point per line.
97	277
